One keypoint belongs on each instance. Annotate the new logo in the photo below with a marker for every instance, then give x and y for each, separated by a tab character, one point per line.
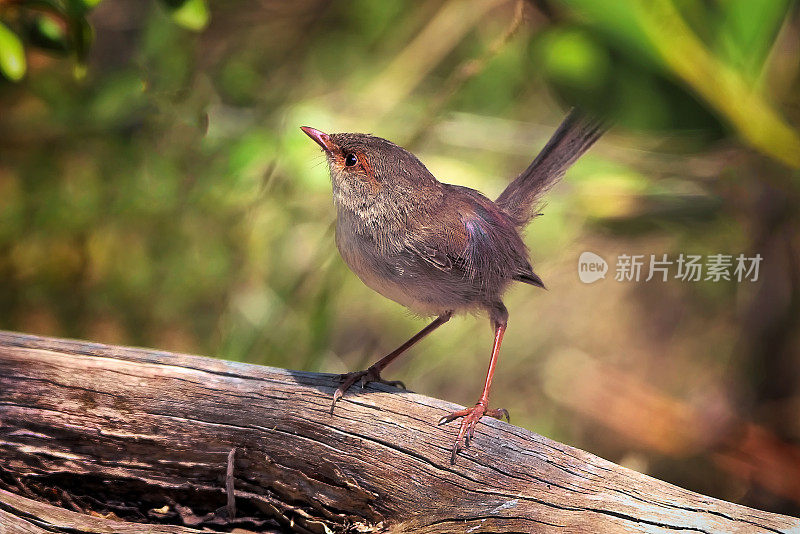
591	267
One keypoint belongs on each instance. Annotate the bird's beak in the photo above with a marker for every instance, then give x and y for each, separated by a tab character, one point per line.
322	139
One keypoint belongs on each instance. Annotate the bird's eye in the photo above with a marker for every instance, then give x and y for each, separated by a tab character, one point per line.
350	160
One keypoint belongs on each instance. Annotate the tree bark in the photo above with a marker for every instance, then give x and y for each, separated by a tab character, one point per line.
93	429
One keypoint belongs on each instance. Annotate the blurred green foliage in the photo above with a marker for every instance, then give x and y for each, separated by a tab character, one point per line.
718	50
12	54
62	27
165	196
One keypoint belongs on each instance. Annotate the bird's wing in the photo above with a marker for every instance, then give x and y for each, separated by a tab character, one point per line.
473	237
432	253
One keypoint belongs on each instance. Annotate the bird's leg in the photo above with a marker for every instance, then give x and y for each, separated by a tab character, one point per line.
373	374
471	416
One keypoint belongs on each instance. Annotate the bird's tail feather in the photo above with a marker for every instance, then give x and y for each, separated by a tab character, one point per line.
574	137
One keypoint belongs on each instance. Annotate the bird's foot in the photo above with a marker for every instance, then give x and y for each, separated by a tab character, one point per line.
471	418
366	376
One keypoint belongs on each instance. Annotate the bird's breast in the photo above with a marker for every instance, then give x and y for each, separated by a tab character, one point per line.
390	273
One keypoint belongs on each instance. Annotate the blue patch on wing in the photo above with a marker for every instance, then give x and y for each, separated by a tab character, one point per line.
475	228
479	251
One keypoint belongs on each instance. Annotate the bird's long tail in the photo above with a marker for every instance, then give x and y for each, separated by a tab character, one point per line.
574	137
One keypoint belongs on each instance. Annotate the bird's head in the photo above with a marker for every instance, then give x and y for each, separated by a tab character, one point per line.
368	171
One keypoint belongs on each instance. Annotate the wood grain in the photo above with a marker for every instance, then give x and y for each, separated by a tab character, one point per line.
154	428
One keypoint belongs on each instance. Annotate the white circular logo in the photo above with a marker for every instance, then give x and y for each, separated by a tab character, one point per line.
591	267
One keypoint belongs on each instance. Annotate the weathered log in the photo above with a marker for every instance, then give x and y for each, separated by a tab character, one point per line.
99	428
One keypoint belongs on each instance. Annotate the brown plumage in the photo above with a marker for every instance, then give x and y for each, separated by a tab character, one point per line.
438	248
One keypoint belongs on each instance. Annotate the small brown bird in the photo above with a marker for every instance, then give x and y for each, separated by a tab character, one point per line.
437	248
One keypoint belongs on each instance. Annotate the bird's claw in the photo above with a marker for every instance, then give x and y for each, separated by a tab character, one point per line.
364	377
472	417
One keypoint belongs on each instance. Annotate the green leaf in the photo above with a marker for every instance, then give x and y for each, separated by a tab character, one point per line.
46	33
50	28
12	54
192	15
617	21
572	58
748	32
724	88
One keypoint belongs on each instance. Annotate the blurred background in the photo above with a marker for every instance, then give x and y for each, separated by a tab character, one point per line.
155	190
